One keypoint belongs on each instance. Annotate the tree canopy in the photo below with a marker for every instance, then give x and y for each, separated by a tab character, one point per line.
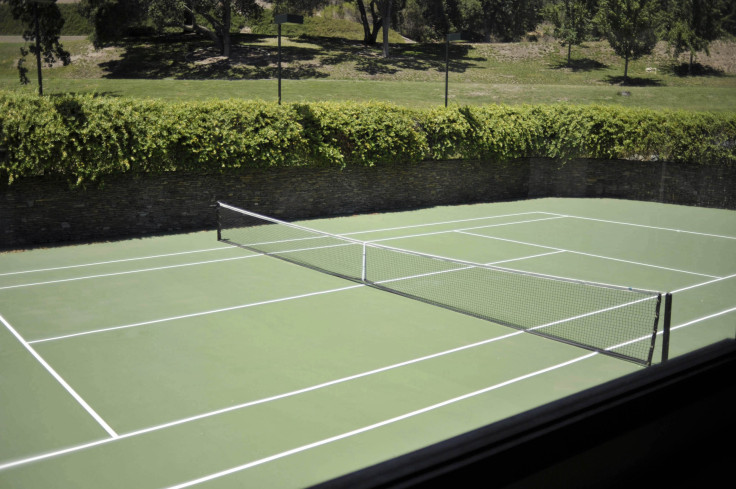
572	20
630	28
692	25
43	23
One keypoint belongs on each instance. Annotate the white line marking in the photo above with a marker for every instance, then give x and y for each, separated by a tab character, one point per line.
115	261
373	426
698	320
440	223
151	429
168	267
59	379
243	306
644	226
703	283
229	247
196	314
260	401
587	254
449	231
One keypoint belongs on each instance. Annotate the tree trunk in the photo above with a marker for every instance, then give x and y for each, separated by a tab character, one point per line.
226	22
626	69
569	53
364	21
690	66
377	23
386	24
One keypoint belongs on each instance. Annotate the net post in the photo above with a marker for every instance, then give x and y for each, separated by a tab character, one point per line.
666	324
219	223
363	272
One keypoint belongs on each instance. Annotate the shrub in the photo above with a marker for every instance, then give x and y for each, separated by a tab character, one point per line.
84	138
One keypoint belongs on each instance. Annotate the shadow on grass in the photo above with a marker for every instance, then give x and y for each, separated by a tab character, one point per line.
102	94
582	64
633	81
189	57
409	57
684	69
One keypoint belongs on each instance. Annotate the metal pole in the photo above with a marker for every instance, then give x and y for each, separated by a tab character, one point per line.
38	52
667	326
279	64
447	66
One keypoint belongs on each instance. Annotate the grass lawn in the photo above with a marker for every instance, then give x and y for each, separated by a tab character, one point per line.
185	67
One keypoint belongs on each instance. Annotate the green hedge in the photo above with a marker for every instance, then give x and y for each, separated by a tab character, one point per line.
83	138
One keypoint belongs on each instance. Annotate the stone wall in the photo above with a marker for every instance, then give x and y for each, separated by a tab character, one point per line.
672	183
41	211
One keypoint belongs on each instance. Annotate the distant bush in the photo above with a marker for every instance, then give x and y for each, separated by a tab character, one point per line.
84	138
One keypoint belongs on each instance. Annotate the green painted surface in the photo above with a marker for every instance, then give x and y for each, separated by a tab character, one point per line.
291	377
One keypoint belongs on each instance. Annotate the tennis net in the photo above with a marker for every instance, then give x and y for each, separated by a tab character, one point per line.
617	321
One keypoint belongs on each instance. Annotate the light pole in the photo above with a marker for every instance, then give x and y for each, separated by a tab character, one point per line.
37	28
455	36
283	19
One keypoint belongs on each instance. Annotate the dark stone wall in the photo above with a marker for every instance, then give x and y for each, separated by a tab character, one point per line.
672	183
41	211
35	211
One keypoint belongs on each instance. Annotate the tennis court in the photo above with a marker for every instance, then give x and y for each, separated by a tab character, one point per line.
184	361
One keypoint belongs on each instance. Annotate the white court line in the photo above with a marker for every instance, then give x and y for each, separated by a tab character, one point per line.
248	465
373	426
240	306
151	429
229	247
196	314
643	226
61	381
698	320
168	267
449	231
689	287
109	262
439	223
255	402
588	254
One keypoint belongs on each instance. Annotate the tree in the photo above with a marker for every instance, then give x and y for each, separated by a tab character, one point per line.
370	29
629	27
505	20
427	20
111	19
217	15
43	23
571	19
386	16
693	25
729	18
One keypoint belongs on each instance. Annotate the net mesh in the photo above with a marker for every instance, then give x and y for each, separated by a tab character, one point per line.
617	321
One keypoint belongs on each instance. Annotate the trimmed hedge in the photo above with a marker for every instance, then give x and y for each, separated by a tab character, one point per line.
84	138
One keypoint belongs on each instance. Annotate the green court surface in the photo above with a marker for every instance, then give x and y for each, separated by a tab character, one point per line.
181	361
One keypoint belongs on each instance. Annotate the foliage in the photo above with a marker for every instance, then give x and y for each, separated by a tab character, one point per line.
629	27
503	20
84	138
572	22
42	24
112	19
74	23
691	25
